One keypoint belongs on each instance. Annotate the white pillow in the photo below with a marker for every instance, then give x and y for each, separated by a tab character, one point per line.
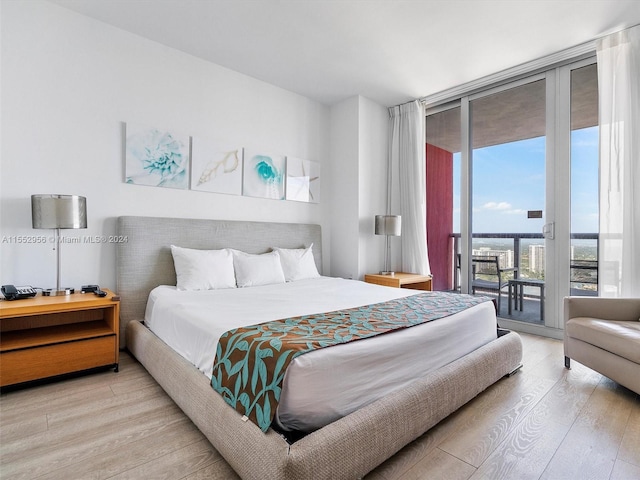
255	270
203	269
297	263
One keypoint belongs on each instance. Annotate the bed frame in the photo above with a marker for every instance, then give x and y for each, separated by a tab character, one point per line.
345	449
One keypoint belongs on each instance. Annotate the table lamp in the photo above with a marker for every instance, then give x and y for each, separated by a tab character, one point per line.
56	212
388	225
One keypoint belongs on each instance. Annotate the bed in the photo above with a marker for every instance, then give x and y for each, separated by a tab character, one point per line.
347	447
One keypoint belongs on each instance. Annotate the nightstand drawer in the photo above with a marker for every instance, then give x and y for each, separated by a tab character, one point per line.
33	363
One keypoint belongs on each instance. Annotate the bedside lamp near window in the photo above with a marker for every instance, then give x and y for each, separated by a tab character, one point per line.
58	211
388	225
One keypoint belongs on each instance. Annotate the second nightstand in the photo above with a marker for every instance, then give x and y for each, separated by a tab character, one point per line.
401	280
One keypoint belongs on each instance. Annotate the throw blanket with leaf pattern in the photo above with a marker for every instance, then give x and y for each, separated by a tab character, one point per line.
251	362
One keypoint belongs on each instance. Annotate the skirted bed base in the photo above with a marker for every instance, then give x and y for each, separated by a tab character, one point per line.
347	448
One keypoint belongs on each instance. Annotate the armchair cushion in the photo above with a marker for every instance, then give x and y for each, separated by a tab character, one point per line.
618	337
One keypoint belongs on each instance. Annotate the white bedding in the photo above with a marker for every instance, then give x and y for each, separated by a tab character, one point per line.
326	384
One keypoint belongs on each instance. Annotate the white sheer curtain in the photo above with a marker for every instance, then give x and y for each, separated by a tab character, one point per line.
407	150
619	92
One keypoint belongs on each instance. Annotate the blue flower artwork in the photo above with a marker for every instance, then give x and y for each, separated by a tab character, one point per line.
263	175
156	157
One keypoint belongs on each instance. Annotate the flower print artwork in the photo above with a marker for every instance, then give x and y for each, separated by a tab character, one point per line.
156	157
263	176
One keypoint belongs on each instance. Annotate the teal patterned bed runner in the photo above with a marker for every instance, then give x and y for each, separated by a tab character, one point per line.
251	362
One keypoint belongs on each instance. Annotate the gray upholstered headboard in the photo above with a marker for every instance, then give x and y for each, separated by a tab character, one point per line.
144	258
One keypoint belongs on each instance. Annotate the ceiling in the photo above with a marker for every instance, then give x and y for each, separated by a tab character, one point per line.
390	51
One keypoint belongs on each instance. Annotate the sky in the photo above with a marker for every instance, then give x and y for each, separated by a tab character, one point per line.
509	180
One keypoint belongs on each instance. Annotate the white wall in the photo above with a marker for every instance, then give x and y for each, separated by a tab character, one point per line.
343	203
374	147
359	149
67	85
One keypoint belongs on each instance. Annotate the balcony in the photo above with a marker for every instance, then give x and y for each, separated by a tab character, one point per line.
520	250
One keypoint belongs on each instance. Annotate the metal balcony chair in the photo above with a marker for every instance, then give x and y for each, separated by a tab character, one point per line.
489	266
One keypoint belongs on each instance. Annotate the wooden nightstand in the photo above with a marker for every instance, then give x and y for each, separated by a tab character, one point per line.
46	336
401	280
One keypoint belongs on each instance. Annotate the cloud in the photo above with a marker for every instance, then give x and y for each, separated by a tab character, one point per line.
502	207
588	143
496	206
516	211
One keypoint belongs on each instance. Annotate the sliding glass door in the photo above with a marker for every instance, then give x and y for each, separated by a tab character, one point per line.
508	198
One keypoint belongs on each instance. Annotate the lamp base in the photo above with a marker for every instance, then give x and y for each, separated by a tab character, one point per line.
388	273
56	293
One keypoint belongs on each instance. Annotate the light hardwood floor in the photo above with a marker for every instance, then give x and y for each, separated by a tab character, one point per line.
545	422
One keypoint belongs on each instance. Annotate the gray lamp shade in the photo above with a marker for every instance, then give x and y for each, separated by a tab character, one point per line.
58	211
388	225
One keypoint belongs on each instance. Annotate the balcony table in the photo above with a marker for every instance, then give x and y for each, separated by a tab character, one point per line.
516	291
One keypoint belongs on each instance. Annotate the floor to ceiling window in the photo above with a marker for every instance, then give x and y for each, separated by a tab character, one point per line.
584	181
501	185
443	192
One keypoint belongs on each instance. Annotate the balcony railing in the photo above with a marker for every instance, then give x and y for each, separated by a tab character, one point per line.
584	271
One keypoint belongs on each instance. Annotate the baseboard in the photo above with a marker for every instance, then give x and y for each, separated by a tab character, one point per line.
524	327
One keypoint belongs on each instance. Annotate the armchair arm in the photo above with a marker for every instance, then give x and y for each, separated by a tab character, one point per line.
621	309
510	269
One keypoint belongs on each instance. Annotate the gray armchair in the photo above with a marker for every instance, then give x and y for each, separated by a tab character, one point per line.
604	334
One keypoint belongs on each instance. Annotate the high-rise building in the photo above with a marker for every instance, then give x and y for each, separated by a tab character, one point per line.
536	258
505	257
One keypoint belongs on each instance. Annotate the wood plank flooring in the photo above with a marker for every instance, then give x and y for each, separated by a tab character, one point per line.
545	422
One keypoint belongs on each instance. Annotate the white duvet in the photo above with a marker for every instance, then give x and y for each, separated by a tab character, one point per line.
323	385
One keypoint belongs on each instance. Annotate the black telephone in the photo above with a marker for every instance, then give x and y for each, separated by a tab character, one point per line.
95	289
12	292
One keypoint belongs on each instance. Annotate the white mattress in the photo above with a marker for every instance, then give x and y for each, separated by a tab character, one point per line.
323	385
